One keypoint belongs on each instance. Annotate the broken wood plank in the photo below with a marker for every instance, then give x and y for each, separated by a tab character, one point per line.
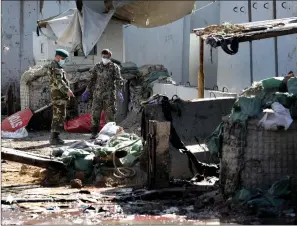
276	28
269	33
22	200
261	24
25	158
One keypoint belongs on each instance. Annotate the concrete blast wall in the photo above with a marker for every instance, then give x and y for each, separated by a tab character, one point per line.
198	120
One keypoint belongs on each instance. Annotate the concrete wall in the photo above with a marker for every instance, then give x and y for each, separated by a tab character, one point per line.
187	93
18	21
253	62
198	120
111	38
170	44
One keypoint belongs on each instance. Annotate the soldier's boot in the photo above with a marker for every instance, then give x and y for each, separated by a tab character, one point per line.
59	139
55	139
94	132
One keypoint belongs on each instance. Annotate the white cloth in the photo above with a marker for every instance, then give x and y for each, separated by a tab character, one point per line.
277	116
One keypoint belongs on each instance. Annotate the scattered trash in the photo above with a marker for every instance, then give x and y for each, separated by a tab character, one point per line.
171	210
76	183
53	208
20	133
9	199
108	131
89	209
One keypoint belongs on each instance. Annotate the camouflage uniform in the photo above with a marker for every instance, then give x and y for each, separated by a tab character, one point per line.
105	82
59	88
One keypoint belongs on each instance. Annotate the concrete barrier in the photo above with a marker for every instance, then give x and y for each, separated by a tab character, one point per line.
198	120
187	93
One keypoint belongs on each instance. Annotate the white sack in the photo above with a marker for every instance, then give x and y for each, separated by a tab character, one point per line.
277	116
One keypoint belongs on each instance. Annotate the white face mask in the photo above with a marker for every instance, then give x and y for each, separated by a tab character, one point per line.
61	62
105	61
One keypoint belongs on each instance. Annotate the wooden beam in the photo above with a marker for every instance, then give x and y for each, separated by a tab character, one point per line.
201	70
271	33
261	24
25	158
257	32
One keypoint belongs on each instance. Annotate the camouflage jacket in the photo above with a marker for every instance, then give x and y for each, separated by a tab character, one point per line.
58	82
106	79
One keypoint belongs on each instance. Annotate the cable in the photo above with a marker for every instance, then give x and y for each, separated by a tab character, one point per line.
204	6
123	172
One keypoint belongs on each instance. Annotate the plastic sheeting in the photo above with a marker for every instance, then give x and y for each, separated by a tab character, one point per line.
73	28
275	117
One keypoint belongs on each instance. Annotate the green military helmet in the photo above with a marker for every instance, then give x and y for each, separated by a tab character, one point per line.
62	53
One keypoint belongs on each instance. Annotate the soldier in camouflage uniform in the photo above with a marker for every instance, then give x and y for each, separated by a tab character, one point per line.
60	94
105	84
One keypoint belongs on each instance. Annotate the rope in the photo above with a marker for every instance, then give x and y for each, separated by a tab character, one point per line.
203	7
123	172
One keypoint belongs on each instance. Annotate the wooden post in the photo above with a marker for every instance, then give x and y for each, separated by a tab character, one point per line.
201	70
158	155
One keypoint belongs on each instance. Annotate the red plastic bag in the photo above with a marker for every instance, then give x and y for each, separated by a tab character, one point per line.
82	124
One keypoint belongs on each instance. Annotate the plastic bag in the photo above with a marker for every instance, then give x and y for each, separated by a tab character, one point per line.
82	124
108	131
20	133
277	116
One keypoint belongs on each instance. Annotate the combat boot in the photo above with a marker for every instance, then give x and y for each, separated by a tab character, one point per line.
59	139
94	133
55	139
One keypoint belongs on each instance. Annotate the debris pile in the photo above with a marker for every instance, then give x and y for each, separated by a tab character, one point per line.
141	81
276	94
112	155
224	29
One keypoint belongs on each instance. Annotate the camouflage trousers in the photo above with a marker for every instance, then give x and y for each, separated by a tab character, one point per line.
59	116
107	105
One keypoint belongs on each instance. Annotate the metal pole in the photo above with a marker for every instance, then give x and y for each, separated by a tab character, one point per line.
201	70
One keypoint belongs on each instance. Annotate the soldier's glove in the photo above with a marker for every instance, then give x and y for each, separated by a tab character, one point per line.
120	96
84	96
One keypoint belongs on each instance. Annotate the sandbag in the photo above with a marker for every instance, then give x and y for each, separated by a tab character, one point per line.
244	108
274	83
285	99
292	86
214	142
84	164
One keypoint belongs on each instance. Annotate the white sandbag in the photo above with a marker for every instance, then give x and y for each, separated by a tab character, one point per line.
277	116
20	133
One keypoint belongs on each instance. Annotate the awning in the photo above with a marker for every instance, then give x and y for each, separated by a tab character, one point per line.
146	14
85	25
